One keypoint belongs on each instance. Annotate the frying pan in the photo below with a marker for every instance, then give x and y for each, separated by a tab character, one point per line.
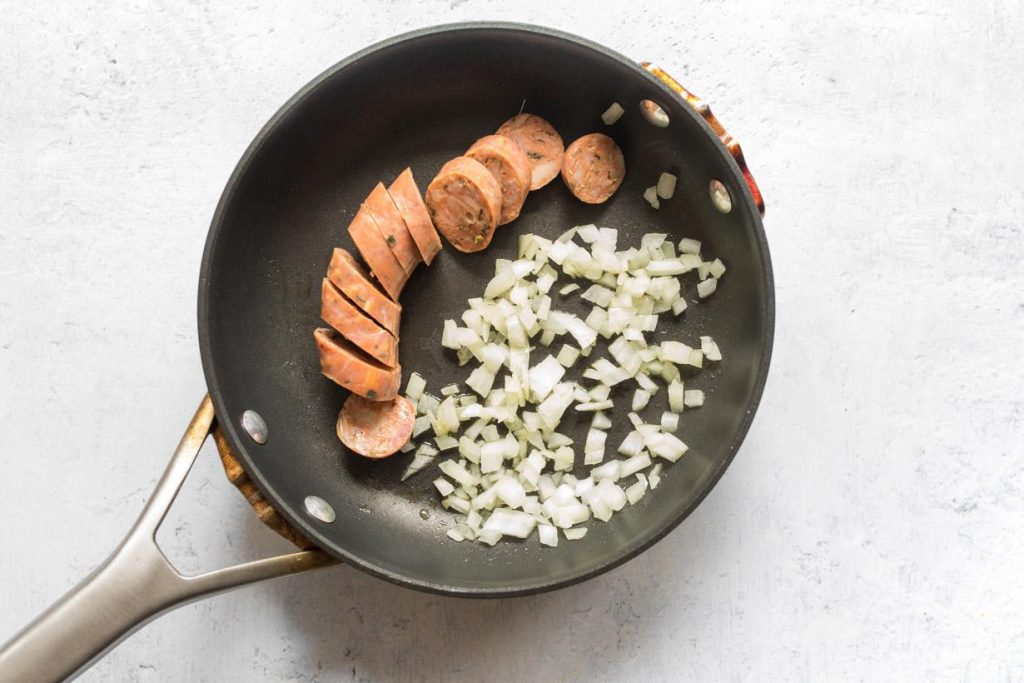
419	100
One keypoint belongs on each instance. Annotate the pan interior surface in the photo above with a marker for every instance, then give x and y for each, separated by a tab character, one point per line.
418	102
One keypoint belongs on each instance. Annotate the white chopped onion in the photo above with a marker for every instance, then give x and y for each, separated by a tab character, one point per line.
640	399
444	487
612	114
575	534
706	288
710	349
634	465
414	388
514	470
544	376
547	534
593	451
693	398
636	491
666	446
676	396
651	196
510	523
445	443
666	185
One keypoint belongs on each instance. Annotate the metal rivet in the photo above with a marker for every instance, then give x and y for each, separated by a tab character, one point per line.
653	112
320	509
720	196
255	426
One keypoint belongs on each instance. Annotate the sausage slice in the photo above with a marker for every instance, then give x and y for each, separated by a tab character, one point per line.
542	144
341	314
375	251
410	204
507	162
354	282
375	429
344	364
392	227
593	168
464	200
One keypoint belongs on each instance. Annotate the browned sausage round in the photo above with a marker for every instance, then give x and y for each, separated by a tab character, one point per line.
375	429
593	168
541	142
409	202
508	163
343	363
464	201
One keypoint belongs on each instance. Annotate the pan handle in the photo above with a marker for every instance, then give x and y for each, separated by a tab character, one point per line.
134	585
702	108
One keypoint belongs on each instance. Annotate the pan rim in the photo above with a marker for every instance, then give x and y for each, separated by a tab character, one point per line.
621	554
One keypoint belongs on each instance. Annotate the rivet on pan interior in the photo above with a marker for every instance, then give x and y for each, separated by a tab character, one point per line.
255	426
720	196
320	509
655	115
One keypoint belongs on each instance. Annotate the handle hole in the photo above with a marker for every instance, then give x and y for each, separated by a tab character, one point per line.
654	113
720	196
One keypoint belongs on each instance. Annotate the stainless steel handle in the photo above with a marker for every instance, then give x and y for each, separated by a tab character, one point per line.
133	586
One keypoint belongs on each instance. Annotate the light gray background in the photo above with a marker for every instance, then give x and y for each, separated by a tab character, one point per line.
871	527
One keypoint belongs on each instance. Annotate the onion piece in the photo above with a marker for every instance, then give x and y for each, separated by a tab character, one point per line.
675	396
651	196
640	399
666	446
593	451
635	492
670	421
693	398
414	388
575	534
706	288
612	114
710	349
444	487
544	376
654	476
548	535
594	406
666	186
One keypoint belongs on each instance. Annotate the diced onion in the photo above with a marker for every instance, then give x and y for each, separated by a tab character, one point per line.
514	472
444	487
706	288
640	399
612	114
666	185
651	196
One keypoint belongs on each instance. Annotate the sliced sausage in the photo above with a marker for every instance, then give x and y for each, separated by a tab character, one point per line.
392	226
344	364
410	204
360	329
542	144
376	429
593	168
464	200
355	283
507	162
377	254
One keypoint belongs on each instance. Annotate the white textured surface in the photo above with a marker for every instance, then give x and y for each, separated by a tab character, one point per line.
871	527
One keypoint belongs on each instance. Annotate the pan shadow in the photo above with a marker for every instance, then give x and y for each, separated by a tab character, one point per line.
349	625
